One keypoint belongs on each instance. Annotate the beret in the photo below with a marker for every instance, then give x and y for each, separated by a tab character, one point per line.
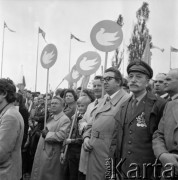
140	66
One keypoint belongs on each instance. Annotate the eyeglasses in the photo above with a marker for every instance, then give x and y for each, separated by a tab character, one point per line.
107	79
54	103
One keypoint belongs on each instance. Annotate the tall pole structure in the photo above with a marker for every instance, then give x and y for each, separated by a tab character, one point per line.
2	51
69	53
37	64
170	59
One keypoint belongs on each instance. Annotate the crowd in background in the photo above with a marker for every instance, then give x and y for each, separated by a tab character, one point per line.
86	126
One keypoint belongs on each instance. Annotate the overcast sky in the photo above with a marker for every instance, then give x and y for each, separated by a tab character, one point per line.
59	18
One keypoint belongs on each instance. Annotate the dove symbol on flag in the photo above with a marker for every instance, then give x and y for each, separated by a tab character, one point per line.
105	38
88	64
47	57
75	74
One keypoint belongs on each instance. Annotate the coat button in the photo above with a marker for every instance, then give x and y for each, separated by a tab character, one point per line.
129	152
129	142
130	132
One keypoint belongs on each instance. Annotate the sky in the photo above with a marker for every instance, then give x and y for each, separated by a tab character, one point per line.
59	18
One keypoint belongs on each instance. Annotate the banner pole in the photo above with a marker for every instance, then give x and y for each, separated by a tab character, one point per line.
2	51
46	101
37	64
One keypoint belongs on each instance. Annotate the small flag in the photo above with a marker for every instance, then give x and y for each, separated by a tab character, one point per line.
146	57
174	49
156	47
5	26
72	36
40	31
21	85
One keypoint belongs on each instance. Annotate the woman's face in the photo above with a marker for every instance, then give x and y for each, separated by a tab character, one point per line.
69	98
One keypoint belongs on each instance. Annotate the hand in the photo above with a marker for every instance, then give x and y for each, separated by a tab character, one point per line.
86	144
81	127
44	132
62	158
68	141
171	159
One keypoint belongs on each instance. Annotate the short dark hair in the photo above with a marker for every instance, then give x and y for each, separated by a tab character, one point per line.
98	77
72	92
117	74
90	94
8	88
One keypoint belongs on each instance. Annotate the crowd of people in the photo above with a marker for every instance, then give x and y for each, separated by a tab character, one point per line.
121	129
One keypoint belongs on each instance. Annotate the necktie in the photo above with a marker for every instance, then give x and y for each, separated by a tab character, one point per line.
96	102
134	105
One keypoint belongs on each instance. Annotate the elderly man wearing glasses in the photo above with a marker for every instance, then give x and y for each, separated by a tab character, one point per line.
98	137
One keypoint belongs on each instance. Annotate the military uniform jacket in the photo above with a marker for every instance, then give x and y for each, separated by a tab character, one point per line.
134	132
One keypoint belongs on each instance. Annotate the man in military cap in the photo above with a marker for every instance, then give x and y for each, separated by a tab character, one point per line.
137	120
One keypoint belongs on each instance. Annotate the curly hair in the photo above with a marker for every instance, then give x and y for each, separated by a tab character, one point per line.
8	88
72	92
89	93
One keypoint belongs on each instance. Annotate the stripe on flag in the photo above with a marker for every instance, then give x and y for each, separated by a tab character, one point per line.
5	26
74	37
40	31
174	49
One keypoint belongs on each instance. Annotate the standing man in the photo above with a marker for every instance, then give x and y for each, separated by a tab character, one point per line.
11	133
47	157
97	139
97	89
165	139
159	86
171	84
137	120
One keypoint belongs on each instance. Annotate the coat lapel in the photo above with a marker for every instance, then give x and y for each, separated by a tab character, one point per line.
146	106
124	108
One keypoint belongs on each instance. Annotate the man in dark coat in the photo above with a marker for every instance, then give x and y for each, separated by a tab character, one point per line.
137	120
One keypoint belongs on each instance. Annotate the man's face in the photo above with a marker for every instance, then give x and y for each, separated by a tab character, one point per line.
40	99
35	100
110	83
97	88
171	82
159	84
56	106
137	82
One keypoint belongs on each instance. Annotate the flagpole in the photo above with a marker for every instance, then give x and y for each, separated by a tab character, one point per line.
46	102
106	58
37	63
69	54
59	84
170	58
2	51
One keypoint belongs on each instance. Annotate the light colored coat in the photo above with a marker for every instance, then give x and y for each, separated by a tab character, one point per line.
101	135
11	135
84	122
47	164
165	139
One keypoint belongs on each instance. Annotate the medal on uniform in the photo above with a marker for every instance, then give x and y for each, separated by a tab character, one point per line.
141	120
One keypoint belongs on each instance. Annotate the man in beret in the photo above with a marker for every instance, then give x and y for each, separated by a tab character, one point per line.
137	120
